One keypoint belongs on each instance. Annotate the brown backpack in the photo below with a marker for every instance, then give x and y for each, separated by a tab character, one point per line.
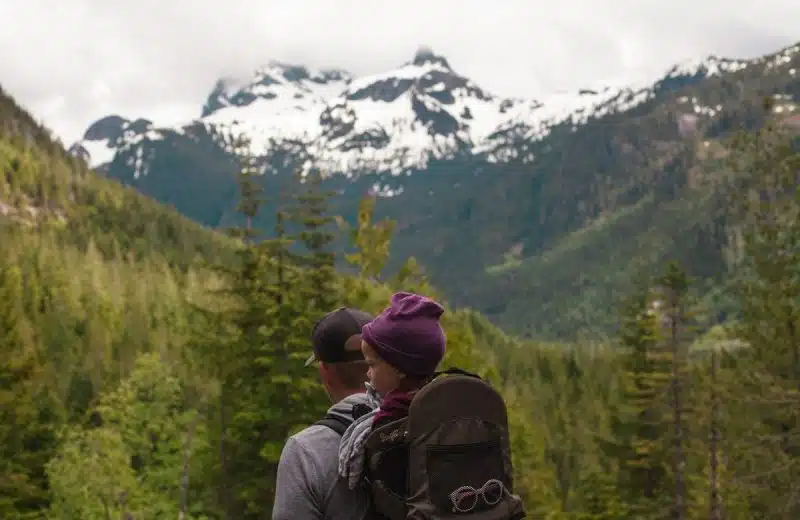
450	458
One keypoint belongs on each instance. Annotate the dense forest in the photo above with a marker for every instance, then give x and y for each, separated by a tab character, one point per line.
151	368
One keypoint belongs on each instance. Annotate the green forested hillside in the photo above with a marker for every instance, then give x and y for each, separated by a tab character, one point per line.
151	368
541	246
545	249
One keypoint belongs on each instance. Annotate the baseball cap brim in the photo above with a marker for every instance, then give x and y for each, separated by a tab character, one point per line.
350	355
311	360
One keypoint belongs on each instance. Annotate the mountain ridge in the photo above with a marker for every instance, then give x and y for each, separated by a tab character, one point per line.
483	222
386	122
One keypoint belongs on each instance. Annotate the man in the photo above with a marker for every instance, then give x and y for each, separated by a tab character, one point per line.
308	485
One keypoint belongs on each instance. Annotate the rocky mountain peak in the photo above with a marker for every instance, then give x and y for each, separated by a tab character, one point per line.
275	80
107	128
426	56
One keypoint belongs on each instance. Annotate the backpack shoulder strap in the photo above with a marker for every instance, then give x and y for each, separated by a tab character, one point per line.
455	371
336	423
340	424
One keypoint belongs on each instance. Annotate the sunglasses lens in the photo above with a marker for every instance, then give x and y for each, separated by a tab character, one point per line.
464	499
493	492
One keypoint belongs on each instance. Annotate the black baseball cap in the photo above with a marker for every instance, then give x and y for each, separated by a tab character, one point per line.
334	331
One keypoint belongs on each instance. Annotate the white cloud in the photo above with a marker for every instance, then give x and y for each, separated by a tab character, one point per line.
75	61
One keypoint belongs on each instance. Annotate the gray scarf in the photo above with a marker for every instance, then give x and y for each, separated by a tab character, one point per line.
351	448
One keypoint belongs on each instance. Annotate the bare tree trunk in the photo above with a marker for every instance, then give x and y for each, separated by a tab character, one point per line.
715	506
675	322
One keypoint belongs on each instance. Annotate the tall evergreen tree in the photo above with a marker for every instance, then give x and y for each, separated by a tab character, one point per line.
268	299
767	214
239	317
251	193
28	412
311	214
371	240
676	316
640	425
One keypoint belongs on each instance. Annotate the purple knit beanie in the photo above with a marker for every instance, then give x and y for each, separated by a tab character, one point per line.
407	334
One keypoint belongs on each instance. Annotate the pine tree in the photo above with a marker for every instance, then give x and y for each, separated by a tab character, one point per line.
28	413
371	241
601	498
265	303
311	214
411	278
251	192
715	506
640	425
765	209
247	369
676	316
237	318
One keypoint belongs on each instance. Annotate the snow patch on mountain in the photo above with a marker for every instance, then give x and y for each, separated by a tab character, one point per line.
709	66
96	153
391	121
292	85
394	121
113	136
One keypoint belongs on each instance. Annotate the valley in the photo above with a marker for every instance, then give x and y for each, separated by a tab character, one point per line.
626	277
471	177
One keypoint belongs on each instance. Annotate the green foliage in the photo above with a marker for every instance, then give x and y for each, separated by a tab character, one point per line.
137	382
313	216
767	204
92	477
371	240
133	461
28	412
560	233
640	422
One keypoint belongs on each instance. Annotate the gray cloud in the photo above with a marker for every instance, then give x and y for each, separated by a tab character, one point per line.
73	62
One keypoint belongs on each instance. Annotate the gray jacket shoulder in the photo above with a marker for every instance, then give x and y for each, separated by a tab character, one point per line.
308	484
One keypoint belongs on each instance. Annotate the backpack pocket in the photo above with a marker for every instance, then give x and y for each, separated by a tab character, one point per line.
466	478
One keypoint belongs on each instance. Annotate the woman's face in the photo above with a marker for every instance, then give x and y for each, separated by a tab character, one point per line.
382	375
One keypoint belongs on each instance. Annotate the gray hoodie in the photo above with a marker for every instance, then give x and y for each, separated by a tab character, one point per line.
308	485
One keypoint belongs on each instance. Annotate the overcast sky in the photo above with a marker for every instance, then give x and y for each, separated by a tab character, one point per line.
73	61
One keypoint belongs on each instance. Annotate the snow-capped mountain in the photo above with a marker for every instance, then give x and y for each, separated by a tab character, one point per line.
532	184
390	122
